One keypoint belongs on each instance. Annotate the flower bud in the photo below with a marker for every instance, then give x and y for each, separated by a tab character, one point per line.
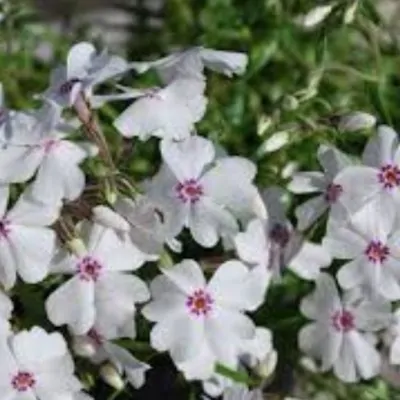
83	346
111	376
315	16
290	103
77	246
107	217
356	121
350	13
266	367
264	123
274	143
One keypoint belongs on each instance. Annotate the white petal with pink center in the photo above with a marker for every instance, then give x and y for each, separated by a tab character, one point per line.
36	365
202	323
39	146
378	180
332	161
199	195
338	335
369	241
105	293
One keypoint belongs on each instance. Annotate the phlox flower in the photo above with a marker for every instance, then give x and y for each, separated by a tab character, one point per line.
272	243
104	292
84	70
378	179
27	244
168	112
332	161
36	365
105	350
197	191
190	63
39	145
370	242
338	337
202	323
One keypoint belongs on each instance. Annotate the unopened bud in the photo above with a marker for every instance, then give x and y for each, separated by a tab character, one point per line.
274	143
315	16
107	217
77	246
111	376
350	13
356	121
290	103
83	346
266	367
264	123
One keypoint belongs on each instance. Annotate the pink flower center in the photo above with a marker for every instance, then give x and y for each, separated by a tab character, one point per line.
95	336
199	303
49	145
332	193
189	190
389	176
280	234
89	269
4	228
67	86
377	252
23	381
343	321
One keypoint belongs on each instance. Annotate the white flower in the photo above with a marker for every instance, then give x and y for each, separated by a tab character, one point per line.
190	64
273	244
83	71
37	365
104	293
378	180
26	243
199	195
336	337
39	146
370	241
202	323
120	358
356	121
332	161
170	112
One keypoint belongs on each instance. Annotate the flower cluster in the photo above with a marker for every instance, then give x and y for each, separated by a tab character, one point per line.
76	224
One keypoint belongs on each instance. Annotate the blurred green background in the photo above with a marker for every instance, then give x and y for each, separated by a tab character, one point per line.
300	80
